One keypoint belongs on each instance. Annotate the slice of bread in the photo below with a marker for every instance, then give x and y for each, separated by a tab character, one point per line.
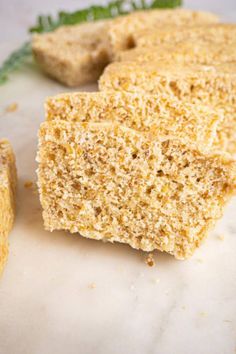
155	114
7	197
214	85
195	52
73	55
221	33
122	31
112	183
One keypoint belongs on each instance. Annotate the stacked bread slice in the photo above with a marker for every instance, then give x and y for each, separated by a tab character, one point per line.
146	160
76	55
132	168
213	85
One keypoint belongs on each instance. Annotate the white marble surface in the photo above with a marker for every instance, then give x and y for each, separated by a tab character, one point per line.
64	294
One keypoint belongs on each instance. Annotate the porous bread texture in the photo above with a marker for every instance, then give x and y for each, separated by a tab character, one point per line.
7	197
122	30
156	114
214	85
73	55
77	54
195	52
217	33
112	183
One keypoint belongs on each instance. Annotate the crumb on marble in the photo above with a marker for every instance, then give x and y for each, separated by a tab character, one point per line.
31	186
183	307
12	107
203	314
92	286
200	260
28	184
149	260
221	237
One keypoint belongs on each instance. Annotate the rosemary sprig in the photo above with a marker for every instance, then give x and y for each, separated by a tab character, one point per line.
93	13
13	62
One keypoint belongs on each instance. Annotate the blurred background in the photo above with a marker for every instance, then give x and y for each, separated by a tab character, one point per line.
16	16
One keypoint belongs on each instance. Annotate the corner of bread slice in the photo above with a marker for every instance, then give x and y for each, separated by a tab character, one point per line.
73	55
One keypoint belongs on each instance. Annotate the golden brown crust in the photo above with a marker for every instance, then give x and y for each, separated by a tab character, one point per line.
7	197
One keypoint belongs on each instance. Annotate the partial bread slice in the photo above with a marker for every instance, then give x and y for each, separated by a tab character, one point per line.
185	52
122	30
112	183
156	114
74	55
214	85
7	197
214	33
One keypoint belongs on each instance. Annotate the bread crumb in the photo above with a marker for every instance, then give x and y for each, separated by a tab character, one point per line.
28	184
221	237
92	286
12	107
203	314
150	260
183	307
200	260
32	186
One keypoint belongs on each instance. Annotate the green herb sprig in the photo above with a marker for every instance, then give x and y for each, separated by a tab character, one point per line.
93	13
14	61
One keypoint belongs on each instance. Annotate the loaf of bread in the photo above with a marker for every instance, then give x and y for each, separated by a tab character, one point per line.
213	85
7	197
110	170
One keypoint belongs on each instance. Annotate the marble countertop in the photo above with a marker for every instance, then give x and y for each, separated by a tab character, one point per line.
61	293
